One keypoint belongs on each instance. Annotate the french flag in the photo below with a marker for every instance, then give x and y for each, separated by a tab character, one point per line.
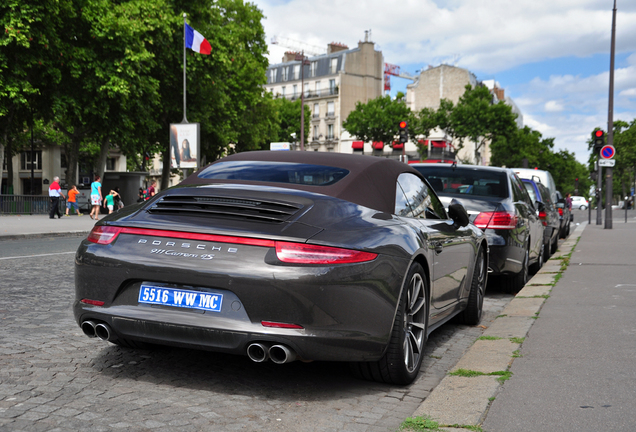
196	42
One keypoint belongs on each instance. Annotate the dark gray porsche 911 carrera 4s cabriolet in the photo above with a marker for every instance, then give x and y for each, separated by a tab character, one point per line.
283	256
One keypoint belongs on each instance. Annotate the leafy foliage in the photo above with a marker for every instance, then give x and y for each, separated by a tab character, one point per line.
378	119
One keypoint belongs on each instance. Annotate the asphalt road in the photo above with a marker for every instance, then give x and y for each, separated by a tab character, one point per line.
52	377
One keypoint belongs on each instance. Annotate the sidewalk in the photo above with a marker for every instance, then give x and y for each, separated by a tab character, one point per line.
561	355
14	227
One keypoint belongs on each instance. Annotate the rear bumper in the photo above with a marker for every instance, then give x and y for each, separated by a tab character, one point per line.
346	311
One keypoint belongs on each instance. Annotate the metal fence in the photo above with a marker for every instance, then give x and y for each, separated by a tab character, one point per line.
24	204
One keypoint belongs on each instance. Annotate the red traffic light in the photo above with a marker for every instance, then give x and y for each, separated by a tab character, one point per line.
402	125
599	133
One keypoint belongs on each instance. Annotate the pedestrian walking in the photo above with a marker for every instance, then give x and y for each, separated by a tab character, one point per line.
109	201
96	198
151	189
55	194
119	203
71	202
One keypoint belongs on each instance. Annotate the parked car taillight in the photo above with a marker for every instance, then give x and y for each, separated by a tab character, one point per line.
544	218
496	220
560	212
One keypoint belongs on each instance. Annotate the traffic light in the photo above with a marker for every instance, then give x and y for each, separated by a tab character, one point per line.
598	137
404	131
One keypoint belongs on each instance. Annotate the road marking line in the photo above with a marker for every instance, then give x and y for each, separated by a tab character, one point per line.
34	256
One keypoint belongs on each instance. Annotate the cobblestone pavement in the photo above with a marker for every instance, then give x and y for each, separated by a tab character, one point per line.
53	378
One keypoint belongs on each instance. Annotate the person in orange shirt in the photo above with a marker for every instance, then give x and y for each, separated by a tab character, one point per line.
71	201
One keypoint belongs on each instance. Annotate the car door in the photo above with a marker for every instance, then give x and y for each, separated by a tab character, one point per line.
525	207
449	244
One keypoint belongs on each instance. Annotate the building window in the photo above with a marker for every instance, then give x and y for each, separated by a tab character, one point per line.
296	72
317	88
334	65
283	91
312	69
110	164
272	75
285	70
330	132
331	110
306	89
25	160
295	91
332	86
316	110
316	133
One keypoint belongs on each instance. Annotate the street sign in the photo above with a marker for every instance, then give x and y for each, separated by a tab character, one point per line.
606	162
278	146
608	152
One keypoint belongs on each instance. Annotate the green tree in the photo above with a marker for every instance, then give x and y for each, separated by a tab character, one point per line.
30	29
524	144
287	114
475	117
378	120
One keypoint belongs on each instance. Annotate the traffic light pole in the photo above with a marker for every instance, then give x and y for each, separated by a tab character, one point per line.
610	126
599	196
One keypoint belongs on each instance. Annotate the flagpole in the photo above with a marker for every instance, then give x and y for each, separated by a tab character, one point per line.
185	120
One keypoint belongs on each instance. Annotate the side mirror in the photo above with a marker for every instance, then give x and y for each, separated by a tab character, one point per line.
539	206
458	213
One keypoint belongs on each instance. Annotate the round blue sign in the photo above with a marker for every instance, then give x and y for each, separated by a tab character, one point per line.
608	152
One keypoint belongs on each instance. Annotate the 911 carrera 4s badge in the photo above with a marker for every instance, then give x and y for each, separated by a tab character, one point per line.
188	249
180	298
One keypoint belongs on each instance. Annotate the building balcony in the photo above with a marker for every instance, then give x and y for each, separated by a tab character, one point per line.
311	94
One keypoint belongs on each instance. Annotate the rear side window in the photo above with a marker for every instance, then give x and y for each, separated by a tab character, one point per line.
530	188
275	172
458	181
414	199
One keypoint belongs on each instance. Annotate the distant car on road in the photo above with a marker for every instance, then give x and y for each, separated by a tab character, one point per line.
498	203
579	202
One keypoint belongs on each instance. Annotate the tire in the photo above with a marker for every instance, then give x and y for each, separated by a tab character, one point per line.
537	266
567	231
472	314
583	207
403	358
547	250
555	245
516	282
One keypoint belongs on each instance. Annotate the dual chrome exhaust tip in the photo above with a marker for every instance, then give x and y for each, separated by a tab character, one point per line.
98	329
279	354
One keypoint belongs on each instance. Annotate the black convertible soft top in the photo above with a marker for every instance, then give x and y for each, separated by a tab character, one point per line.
371	180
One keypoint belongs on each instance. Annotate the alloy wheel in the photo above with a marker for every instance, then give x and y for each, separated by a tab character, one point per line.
414	322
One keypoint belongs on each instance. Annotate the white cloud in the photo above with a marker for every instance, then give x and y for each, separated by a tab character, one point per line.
553	106
488	36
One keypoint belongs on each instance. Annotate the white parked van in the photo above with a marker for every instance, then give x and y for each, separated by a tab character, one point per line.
542	176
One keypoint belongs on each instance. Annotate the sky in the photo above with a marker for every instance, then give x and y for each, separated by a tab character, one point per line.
552	57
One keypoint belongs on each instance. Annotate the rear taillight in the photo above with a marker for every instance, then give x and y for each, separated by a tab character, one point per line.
543	216
560	212
103	234
496	220
301	253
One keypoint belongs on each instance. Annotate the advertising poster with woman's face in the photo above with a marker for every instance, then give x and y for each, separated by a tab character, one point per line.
184	144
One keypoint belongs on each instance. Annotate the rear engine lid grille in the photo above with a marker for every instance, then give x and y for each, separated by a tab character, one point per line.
225	207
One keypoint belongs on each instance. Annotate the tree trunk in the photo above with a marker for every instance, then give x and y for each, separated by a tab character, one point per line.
103	156
2	160
165	172
72	159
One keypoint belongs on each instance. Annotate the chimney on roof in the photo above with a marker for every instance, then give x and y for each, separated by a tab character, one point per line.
500	93
335	47
290	56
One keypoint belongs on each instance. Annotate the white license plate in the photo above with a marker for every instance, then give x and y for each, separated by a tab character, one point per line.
180	298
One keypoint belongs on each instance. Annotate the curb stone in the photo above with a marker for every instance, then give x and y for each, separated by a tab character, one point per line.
464	401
